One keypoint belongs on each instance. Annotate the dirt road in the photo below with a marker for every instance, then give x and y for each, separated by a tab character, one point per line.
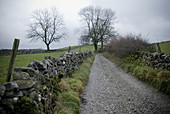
112	91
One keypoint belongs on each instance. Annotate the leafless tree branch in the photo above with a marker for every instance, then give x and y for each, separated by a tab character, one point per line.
99	24
46	25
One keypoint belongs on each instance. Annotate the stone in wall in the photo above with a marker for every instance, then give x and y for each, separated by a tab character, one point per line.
156	60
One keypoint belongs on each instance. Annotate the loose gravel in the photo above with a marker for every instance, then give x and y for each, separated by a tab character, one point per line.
112	91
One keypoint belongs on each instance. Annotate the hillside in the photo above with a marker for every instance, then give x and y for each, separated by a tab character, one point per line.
165	47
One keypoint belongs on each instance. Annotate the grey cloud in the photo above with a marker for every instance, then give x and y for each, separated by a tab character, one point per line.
140	16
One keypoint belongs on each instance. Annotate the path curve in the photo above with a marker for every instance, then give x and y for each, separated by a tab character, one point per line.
112	91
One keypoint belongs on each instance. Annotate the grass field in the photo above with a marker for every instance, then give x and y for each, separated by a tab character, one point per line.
165	47
25	59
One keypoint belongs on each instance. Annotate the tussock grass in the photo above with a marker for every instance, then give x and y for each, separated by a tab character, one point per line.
164	74
150	76
68	101
75	85
63	85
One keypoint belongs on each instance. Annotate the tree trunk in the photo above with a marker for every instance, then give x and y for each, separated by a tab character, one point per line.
101	39
102	45
48	47
95	46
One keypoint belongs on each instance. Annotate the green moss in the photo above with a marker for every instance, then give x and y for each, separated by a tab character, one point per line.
69	74
5	100
25	99
52	82
61	75
24	106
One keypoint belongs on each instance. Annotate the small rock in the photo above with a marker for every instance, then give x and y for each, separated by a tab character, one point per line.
37	65
32	95
2	90
39	97
167	58
45	88
7	105
21	76
2	111
9	95
25	84
15	99
28	70
10	86
13	94
30	90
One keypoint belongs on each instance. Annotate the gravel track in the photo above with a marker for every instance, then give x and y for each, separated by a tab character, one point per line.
112	91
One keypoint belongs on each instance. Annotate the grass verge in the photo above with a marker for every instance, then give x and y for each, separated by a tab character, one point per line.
68	101
159	79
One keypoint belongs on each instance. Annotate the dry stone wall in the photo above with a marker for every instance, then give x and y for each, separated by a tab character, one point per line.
156	60
5	52
32	81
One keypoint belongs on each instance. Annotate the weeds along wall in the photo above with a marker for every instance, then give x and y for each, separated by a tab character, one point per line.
156	60
35	87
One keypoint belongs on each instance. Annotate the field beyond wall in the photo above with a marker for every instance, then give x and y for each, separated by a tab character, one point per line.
24	59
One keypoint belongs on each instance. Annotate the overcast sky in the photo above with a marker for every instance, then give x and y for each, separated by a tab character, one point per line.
148	17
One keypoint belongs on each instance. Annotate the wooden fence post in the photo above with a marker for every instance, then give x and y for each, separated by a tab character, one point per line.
80	49
12	59
159	48
69	49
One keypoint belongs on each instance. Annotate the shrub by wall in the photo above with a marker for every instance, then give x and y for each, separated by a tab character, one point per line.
123	46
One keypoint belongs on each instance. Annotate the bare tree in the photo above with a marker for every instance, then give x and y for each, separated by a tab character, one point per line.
47	26
98	24
105	26
88	15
